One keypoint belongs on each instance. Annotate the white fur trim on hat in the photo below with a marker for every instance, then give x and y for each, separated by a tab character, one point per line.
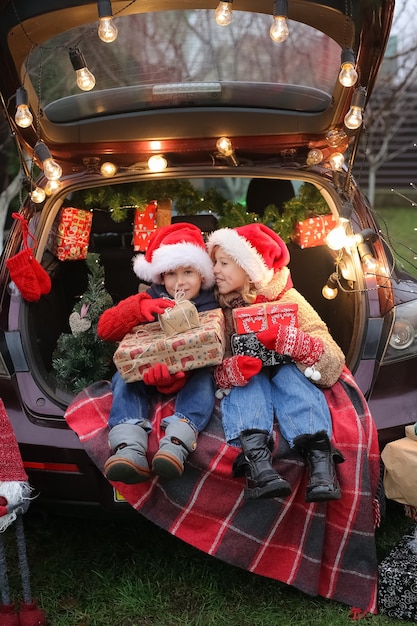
170	257
243	253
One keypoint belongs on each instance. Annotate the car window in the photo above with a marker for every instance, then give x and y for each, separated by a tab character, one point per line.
176	58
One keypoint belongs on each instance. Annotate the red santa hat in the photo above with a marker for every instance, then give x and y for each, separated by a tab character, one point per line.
255	248
176	245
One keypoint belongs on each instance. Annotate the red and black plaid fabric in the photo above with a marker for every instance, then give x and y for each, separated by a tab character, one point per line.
325	549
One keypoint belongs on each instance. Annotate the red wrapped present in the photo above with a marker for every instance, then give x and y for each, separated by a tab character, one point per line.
148	344
313	231
70	234
258	317
144	225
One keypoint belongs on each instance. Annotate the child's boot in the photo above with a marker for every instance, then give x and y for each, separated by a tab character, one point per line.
180	439
128	464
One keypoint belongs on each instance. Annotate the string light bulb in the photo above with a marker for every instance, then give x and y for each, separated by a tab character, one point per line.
36	194
348	74
85	79
52	187
107	31
51	168
224	13
23	116
314	157
337	238
108	169
157	163
330	290
336	161
279	29
353	118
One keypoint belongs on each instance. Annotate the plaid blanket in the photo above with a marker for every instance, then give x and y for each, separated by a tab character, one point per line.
325	549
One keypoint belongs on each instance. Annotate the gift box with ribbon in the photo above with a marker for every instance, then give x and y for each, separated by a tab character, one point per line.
148	344
144	225
313	231
259	317
181	317
70	234
249	345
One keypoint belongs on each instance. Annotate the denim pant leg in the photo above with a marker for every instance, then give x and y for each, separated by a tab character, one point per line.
247	408
300	407
130	403
195	401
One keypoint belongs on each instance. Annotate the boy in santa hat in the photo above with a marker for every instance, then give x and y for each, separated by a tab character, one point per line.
250	266
176	260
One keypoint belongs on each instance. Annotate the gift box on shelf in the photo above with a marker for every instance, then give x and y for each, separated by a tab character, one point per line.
312	231
181	317
400	469
147	345
249	345
397	580
70	234
258	317
144	225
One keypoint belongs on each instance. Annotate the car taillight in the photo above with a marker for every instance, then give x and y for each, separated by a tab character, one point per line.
402	342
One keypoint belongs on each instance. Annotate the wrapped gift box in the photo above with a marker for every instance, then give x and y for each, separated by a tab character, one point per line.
70	234
183	316
144	225
249	345
400	470
258	317
147	345
397	584
313	231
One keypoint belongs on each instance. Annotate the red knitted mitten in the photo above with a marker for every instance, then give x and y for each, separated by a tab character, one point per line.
236	371
21	272
120	319
292	342
31	615
42	276
167	383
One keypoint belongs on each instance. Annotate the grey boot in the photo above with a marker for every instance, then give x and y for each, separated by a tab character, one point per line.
180	439
321	458
262	480
128	464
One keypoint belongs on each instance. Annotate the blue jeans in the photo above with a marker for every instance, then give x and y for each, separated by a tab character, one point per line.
248	408
194	402
299	406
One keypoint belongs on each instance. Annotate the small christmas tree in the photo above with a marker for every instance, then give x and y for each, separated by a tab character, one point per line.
80	357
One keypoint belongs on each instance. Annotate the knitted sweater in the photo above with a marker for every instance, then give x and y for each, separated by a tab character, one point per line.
332	360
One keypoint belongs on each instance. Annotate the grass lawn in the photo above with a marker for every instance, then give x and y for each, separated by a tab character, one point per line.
399	228
89	573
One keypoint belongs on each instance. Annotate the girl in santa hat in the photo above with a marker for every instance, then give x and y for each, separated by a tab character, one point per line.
176	260
250	266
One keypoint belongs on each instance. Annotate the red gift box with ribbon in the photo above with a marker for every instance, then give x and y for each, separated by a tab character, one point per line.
259	317
144	225
70	234
313	231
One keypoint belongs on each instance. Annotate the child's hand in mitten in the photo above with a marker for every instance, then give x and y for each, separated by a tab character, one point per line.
292	342
159	377
236	371
156	306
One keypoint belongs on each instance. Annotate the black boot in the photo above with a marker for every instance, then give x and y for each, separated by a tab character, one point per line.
262	481
321	458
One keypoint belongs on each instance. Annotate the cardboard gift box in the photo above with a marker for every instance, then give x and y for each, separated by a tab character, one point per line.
400	470
249	345
313	231
258	317
147	345
70	234
181	317
397	580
